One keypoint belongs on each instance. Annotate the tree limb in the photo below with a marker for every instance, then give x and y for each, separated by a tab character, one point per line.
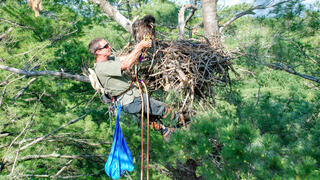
181	21
44	73
114	14
5	33
278	66
23	89
249	11
54	155
52	132
59	177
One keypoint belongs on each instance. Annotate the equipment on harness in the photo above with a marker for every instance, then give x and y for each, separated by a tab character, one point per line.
105	97
120	158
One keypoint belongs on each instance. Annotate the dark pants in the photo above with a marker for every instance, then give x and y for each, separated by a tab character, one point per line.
156	108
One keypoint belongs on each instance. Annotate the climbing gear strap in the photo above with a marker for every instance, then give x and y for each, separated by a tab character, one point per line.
95	83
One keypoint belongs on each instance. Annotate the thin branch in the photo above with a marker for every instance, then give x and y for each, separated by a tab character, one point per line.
63	168
60	177
54	131
44	73
2	95
16	24
54	155
250	11
278	66
25	128
5	33
23	89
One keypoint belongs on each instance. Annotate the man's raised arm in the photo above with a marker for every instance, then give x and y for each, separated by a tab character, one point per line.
135	53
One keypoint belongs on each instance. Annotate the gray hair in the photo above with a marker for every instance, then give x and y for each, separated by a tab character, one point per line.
94	45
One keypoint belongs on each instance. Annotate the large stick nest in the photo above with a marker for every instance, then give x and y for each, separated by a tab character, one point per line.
191	68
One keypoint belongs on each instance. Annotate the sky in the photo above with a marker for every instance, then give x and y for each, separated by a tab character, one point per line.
233	2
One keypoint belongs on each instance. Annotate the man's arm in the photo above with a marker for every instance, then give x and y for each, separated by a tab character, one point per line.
134	54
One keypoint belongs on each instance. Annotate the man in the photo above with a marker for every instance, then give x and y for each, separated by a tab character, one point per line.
109	71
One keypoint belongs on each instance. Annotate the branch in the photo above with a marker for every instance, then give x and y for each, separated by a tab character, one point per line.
249	11
278	66
182	22
54	155
44	73
114	14
16	24
59	177
52	132
63	168
23	89
5	33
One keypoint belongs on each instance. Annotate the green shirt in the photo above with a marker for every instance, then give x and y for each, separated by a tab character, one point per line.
115	81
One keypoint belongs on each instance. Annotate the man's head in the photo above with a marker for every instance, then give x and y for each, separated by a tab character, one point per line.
99	48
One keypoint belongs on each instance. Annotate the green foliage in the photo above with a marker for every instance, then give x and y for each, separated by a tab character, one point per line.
266	127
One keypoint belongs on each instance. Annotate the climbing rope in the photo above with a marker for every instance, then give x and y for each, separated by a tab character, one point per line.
147	97
142	112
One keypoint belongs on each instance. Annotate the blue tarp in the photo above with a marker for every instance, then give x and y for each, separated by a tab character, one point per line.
120	158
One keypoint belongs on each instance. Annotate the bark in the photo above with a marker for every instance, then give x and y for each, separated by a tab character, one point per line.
210	19
114	14
183	22
44	73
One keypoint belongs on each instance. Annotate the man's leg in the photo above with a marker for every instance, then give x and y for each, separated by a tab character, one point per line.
157	108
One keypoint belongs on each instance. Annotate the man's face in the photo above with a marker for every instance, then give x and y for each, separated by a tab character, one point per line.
105	49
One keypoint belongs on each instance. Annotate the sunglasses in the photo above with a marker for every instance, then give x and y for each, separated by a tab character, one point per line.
105	46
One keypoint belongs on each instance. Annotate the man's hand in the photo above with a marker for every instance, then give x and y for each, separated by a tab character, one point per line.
145	44
135	53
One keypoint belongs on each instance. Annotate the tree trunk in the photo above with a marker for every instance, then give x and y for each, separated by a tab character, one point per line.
183	22
113	13
210	20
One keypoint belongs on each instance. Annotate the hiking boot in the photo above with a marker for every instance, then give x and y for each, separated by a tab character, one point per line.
156	126
166	134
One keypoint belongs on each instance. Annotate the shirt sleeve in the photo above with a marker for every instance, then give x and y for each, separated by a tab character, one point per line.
109	68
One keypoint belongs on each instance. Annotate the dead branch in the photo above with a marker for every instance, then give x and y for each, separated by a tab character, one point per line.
250	11
22	132
62	169
2	95
5	33
44	73
58	177
113	13
278	66
52	132
54	155
23	89
183	22
16	24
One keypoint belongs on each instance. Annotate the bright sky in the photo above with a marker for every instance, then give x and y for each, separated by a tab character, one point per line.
233	2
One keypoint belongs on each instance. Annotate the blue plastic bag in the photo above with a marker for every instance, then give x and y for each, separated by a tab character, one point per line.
120	158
